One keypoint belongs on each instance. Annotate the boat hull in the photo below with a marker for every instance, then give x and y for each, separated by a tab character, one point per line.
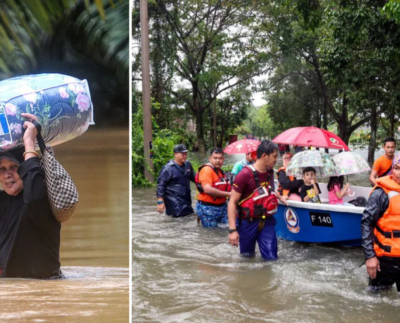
313	223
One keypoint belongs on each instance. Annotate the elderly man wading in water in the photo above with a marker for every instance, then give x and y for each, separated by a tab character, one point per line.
29	232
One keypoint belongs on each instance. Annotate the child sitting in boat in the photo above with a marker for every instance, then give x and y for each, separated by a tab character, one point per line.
310	190
336	190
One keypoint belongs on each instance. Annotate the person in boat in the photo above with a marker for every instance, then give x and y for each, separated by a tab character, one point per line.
383	165
29	232
249	160
310	189
282	149
253	203
336	190
298	149
173	185
213	191
288	185
380	227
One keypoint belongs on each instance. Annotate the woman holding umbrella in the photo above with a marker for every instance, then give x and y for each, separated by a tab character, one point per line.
288	185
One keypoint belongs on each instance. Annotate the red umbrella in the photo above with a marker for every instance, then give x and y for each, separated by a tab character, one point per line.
243	146
310	136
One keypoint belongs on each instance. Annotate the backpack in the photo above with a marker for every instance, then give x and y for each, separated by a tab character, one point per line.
359	201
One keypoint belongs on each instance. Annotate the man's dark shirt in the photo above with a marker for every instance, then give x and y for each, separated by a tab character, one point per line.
173	185
29	233
377	205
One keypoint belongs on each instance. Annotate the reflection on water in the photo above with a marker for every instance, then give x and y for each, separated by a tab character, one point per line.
185	273
89	294
94	242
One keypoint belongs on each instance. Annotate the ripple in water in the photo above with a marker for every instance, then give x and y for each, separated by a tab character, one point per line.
87	294
185	273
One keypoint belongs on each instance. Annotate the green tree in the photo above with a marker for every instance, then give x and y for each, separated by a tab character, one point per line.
261	124
26	25
214	51
232	111
360	56
346	52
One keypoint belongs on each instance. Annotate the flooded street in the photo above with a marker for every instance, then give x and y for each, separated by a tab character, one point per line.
94	242
185	273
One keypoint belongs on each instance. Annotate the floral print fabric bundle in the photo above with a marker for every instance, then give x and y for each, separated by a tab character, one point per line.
62	104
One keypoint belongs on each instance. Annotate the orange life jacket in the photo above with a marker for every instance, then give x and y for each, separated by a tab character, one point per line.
281	191
222	184
387	230
261	203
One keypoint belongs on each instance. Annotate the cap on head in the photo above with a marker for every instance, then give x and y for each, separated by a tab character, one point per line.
9	156
180	149
396	160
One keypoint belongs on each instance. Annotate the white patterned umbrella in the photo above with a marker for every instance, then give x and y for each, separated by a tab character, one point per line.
323	164
349	162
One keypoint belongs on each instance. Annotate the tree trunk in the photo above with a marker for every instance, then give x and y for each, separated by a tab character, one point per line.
318	119
344	132
325	120
198	112
215	117
200	132
372	140
220	142
392	122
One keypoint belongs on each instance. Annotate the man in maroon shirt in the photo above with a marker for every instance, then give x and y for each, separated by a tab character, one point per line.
251	229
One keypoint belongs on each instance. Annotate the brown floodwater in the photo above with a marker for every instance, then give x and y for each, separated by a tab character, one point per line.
183	272
94	242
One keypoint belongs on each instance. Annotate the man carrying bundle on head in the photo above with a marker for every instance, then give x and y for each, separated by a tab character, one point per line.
214	190
253	203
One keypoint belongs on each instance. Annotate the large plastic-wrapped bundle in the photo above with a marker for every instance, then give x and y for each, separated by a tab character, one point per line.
62	104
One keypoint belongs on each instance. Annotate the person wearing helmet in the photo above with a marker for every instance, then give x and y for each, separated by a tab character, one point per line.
253	203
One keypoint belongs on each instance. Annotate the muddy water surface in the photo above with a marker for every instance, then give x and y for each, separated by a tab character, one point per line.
185	273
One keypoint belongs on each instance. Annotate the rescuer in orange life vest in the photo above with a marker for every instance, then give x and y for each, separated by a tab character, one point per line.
381	231
253	203
214	190
288	185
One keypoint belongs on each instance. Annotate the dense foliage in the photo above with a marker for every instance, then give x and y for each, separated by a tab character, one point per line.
328	63
163	144
88	39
